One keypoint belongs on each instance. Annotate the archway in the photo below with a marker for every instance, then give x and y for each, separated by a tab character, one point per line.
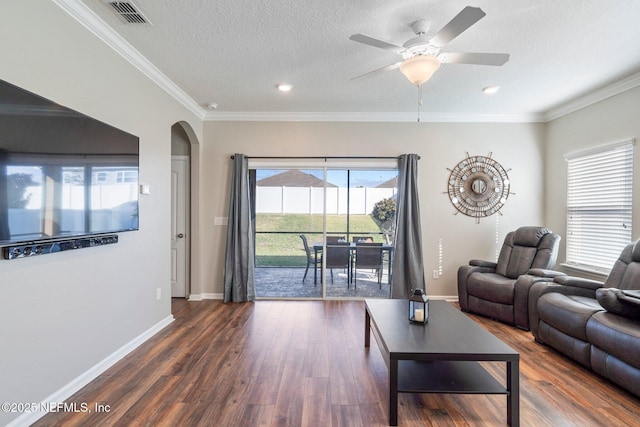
184	218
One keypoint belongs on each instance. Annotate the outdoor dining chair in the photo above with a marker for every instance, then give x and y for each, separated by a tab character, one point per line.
338	256
368	256
312	259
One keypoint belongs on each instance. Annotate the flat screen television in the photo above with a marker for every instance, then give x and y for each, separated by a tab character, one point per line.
62	174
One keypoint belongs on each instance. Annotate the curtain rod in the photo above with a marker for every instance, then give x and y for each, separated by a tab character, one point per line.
322	157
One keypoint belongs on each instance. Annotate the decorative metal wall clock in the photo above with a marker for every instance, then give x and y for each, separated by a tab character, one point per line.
478	186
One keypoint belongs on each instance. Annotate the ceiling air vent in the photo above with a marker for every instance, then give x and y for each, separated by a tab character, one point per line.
128	12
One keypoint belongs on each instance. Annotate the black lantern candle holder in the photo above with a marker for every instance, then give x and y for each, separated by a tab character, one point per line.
419	307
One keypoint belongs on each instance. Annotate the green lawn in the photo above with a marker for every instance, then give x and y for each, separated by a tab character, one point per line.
285	249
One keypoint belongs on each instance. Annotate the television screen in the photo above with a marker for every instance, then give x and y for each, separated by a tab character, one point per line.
62	174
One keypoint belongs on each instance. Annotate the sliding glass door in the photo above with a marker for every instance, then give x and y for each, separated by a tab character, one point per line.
311	223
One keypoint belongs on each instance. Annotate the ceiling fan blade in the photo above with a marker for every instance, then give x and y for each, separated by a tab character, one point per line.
379	70
474	58
361	38
463	20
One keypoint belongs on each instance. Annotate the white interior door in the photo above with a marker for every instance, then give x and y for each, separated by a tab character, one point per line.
179	226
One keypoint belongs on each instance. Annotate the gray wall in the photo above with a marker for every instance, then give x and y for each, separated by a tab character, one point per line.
517	146
63	314
614	119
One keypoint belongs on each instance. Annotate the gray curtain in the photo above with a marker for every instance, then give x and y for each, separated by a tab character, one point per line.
408	269
239	285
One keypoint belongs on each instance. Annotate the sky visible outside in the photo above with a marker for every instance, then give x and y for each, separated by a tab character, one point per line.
358	178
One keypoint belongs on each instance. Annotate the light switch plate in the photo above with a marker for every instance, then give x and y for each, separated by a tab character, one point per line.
220	220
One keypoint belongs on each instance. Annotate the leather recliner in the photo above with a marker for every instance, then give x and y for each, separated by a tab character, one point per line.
500	290
597	324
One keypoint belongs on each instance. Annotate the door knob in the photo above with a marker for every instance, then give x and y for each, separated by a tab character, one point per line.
180	236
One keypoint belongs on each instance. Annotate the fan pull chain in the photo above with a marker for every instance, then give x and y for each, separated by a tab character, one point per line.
419	101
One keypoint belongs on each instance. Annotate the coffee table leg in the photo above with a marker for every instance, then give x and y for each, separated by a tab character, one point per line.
367	328
513	398
393	392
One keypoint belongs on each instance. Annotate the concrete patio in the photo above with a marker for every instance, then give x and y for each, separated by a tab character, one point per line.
284	282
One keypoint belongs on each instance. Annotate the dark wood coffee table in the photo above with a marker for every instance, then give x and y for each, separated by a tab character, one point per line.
441	356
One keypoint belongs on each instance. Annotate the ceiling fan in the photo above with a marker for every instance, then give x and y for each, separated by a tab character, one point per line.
421	56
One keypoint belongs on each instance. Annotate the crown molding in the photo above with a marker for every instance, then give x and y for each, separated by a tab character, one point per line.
87	18
92	22
371	117
596	96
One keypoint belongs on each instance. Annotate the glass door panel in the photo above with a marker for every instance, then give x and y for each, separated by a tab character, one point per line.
289	207
361	192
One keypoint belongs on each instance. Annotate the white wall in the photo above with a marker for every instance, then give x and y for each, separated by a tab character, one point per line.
518	147
62	314
614	119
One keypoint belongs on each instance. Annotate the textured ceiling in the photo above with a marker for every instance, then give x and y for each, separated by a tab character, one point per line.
234	52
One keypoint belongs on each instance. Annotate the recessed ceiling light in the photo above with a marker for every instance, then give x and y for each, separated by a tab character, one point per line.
284	87
489	90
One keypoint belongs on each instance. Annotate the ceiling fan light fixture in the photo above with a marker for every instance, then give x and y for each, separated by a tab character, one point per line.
420	68
490	90
284	87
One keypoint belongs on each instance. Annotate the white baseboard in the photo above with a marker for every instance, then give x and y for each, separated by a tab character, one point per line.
82	380
448	298
200	297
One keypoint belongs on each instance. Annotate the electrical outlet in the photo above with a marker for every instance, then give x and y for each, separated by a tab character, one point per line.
158	293
434	274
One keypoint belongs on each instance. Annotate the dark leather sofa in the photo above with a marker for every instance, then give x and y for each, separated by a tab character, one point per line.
597	324
500	290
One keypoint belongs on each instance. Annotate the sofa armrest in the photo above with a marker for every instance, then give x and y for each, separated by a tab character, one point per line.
541	272
620	302
567	285
521	293
578	282
475	266
483	263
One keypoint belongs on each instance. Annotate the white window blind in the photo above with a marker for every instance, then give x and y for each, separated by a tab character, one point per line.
599	205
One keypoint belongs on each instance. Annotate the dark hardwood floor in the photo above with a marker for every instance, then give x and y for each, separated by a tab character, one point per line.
303	363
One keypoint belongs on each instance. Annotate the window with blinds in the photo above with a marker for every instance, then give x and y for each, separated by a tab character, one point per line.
599	205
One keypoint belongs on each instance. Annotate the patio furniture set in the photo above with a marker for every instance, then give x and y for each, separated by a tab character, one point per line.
360	253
